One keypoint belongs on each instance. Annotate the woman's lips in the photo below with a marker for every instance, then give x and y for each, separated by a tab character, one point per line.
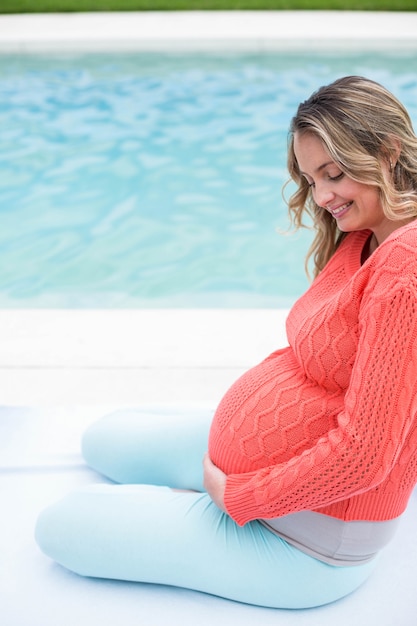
340	210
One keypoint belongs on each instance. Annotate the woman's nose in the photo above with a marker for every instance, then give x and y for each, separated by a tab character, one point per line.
323	194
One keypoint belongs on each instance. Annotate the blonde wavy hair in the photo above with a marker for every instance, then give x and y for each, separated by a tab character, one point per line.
364	128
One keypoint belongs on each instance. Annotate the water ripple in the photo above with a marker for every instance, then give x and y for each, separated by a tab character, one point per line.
155	180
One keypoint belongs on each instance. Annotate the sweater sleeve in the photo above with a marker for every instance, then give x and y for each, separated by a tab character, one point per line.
360	451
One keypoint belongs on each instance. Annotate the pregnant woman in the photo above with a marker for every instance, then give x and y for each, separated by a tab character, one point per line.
285	496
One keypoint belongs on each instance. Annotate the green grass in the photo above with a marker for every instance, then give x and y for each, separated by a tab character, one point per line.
57	6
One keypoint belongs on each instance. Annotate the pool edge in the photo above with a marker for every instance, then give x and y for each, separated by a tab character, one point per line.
255	31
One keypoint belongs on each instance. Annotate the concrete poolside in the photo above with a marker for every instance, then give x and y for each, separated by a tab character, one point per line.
60	370
196	30
62	357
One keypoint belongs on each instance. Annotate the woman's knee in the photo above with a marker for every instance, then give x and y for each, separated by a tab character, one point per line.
149	446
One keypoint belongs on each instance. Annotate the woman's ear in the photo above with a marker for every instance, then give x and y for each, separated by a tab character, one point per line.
390	153
394	151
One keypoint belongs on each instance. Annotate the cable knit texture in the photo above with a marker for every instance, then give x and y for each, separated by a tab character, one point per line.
329	423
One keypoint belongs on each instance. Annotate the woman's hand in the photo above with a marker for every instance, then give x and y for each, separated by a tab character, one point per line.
214	482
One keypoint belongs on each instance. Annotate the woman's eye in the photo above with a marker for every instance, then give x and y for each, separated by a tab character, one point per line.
338	177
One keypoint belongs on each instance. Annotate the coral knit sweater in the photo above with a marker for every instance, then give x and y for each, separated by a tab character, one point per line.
329	423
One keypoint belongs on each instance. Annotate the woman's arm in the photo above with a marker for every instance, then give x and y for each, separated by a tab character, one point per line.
357	455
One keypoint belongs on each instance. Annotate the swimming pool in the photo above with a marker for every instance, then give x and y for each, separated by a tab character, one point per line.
154	180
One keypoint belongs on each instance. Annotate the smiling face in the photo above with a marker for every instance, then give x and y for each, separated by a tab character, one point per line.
354	205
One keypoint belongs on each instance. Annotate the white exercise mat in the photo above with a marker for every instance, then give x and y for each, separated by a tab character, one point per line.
40	461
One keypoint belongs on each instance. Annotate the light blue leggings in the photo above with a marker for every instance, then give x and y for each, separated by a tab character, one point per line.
151	533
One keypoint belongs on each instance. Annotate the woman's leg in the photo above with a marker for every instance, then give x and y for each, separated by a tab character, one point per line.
156	535
153	445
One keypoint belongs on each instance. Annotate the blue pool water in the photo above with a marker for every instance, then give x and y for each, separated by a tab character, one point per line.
142	180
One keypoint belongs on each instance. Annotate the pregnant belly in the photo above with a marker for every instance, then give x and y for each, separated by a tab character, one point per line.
269	415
